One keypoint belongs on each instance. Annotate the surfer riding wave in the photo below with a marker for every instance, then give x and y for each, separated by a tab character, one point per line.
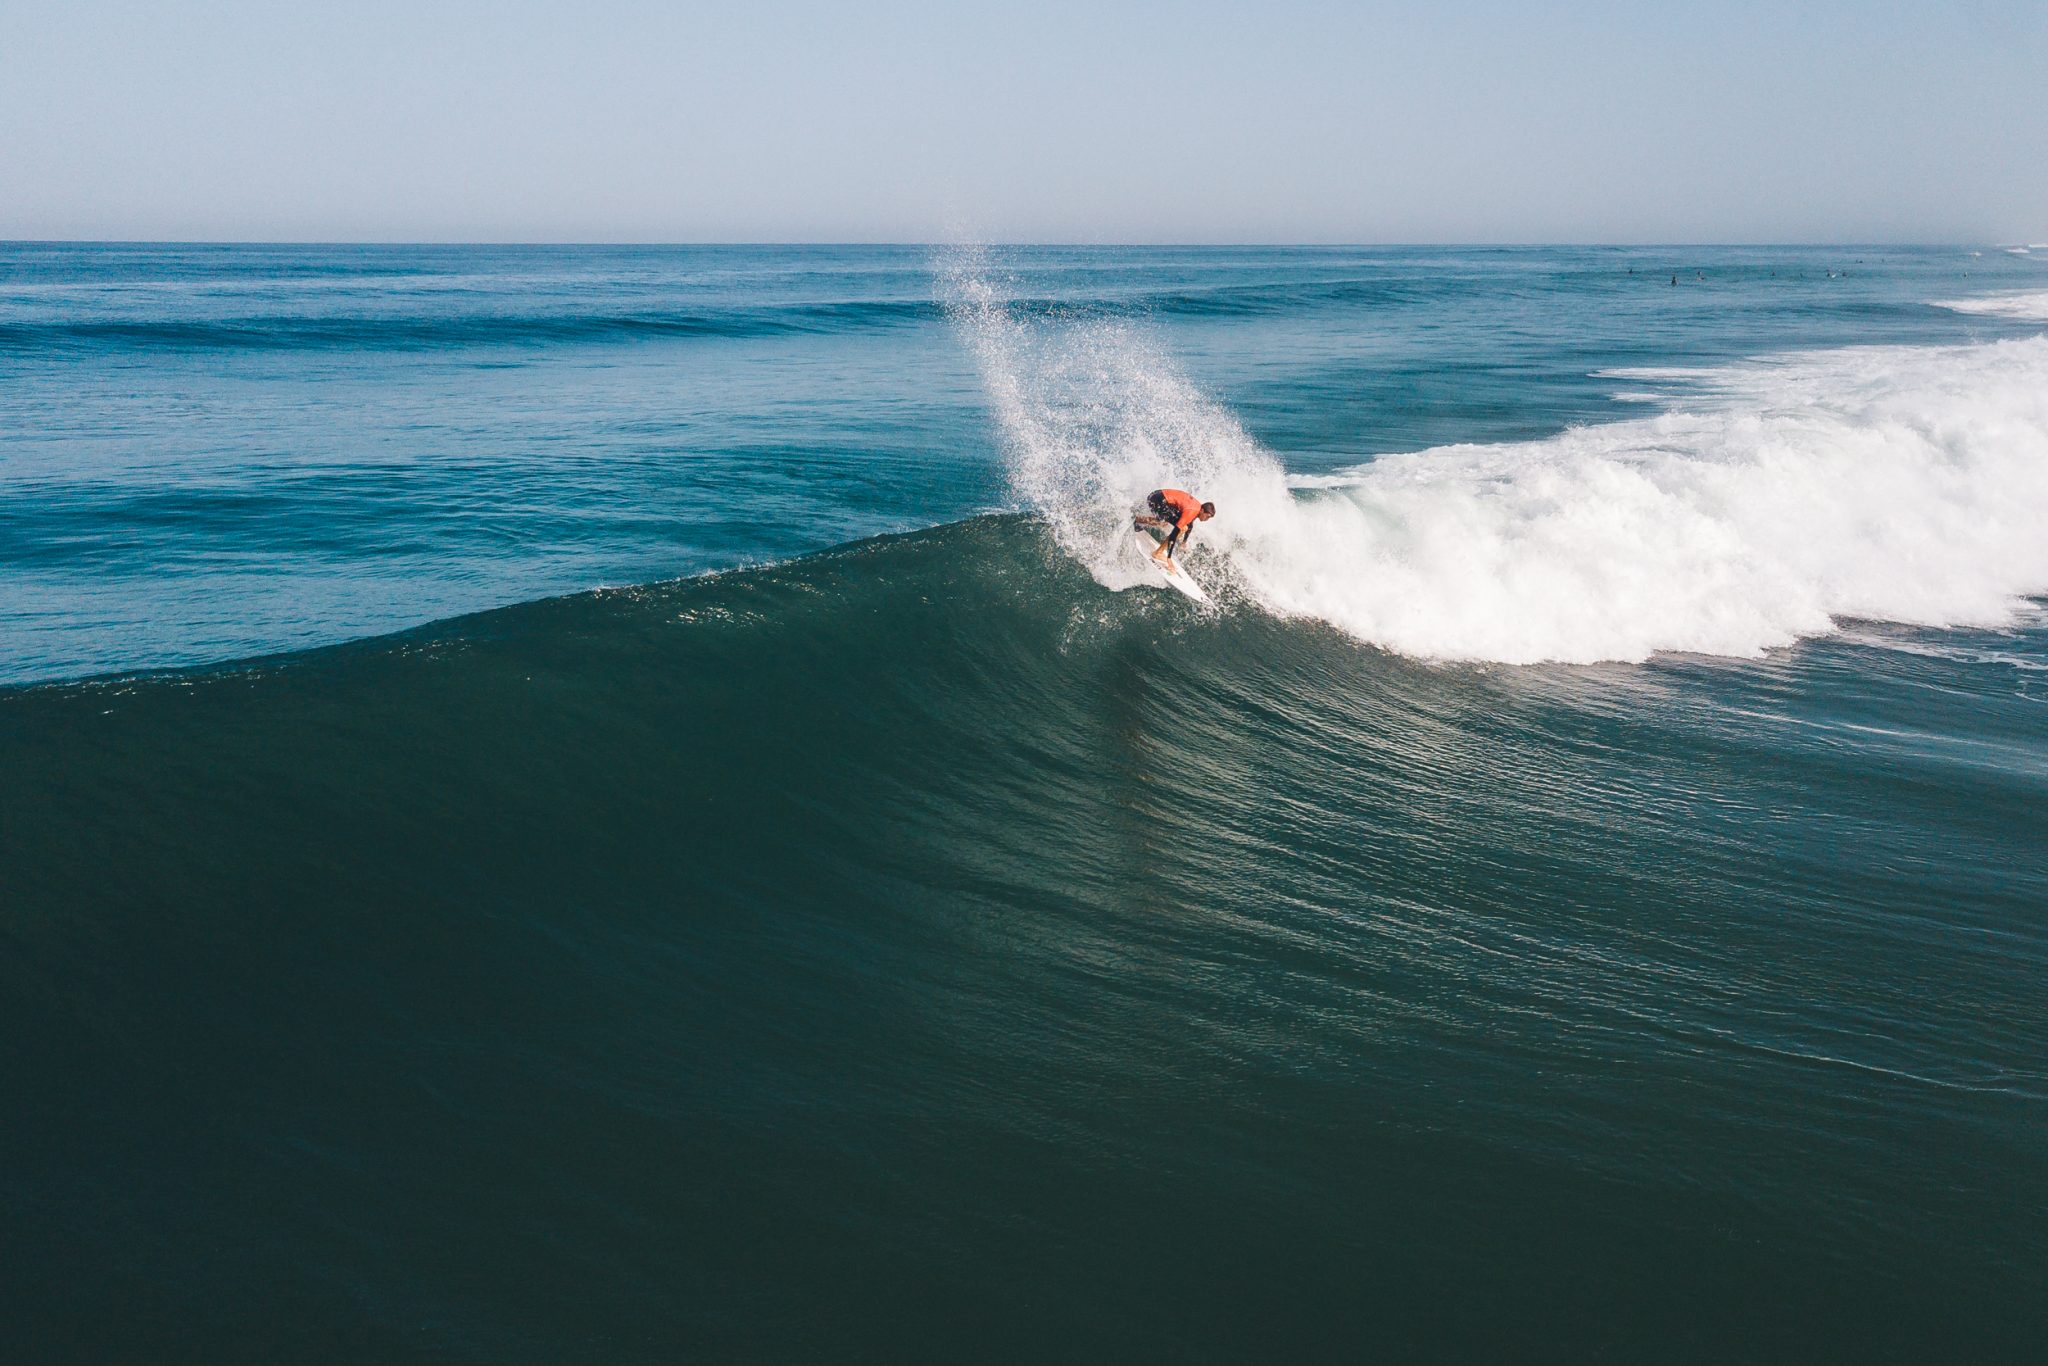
1177	509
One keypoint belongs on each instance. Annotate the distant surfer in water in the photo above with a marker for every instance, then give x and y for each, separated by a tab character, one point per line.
1176	508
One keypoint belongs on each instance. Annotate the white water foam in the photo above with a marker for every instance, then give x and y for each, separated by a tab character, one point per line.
1904	484
2030	305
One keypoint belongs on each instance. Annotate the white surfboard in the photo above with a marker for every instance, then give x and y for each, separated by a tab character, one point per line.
1177	576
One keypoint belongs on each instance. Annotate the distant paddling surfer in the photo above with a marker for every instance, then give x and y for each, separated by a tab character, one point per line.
1176	508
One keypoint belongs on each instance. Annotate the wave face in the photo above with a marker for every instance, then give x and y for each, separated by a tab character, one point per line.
681	971
1769	501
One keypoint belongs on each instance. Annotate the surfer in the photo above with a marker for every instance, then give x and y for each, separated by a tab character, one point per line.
1176	508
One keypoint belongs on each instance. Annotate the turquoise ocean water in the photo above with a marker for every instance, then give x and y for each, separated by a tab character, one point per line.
598	804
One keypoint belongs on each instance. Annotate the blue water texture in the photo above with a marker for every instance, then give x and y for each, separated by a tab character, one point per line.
210	452
601	804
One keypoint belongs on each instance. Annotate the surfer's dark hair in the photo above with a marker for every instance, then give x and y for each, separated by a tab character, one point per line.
1208	509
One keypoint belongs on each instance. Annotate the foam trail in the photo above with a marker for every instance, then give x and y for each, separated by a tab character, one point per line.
1900	484
1907	484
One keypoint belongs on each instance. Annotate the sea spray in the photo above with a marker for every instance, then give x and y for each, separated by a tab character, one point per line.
1093	417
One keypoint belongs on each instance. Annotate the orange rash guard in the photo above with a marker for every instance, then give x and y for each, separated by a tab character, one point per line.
1185	504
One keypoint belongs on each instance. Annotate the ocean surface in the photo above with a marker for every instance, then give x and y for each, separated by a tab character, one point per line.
636	804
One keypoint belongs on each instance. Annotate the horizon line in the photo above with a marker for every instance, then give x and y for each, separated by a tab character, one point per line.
1467	245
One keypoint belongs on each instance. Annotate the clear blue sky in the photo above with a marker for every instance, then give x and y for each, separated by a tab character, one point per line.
1718	120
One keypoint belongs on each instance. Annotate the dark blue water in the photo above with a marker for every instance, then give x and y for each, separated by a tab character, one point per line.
1580	894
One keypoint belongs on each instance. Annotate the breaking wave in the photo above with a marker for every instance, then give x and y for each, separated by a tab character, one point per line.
1774	499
